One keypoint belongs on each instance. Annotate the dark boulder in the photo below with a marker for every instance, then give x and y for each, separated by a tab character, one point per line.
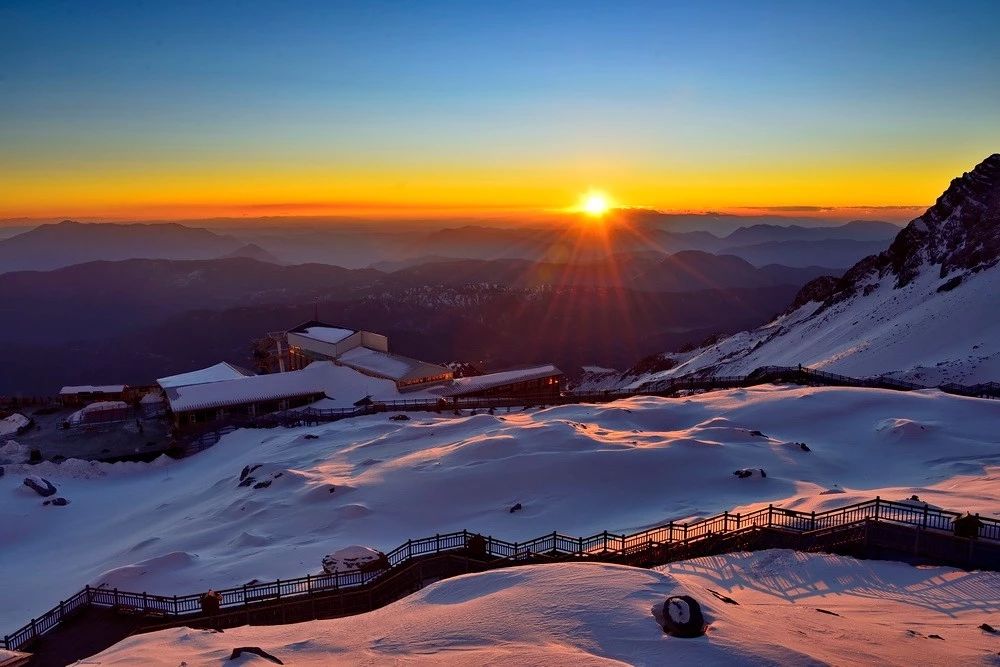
58	502
256	650
42	487
247	469
400	418
516	508
682	617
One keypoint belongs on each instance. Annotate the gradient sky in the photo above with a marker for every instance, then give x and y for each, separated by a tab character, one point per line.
188	109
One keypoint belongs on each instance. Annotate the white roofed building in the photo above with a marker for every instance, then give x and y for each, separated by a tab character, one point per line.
217	373
254	395
364	351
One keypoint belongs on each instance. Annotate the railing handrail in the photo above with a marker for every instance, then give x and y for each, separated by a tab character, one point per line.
674	532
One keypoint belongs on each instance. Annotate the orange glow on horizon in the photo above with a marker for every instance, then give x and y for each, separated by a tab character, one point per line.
160	192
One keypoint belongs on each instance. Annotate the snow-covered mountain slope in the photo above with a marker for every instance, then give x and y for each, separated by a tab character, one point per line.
183	526
925	309
793	609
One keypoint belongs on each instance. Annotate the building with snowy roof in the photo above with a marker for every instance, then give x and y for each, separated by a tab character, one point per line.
538	382
87	393
337	386
217	373
364	351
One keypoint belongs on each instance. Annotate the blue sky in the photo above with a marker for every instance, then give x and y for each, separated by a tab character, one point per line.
562	90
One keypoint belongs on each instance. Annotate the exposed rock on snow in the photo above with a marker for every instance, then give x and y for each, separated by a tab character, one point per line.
39	485
255	650
354	559
682	617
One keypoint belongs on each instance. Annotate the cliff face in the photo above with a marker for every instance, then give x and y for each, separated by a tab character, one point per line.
959	234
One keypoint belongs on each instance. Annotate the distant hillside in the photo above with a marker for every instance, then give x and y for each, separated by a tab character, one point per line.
57	245
841	253
684	271
103	299
253	251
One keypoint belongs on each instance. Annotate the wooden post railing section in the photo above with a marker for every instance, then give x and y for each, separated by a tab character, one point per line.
667	542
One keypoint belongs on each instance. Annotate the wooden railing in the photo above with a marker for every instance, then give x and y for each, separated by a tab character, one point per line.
629	548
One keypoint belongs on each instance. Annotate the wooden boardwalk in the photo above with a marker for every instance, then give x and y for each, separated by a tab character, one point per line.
95	619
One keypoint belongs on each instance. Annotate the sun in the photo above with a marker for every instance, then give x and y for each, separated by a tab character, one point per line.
595	203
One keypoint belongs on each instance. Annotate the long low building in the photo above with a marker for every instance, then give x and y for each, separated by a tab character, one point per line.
338	386
544	381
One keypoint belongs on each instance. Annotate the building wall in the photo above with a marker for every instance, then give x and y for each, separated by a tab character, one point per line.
321	350
373	341
419	383
542	388
76	400
220	414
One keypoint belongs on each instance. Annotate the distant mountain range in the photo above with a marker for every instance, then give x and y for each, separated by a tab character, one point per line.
63	244
67	243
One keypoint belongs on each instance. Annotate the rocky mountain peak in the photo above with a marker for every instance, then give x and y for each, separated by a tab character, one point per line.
960	234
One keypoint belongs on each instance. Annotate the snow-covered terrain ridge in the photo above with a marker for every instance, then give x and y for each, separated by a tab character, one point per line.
924	310
585	614
176	527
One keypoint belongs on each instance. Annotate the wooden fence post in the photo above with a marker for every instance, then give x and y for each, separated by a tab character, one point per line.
878	501
770	514
813	521
725	521
176	611
309	589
